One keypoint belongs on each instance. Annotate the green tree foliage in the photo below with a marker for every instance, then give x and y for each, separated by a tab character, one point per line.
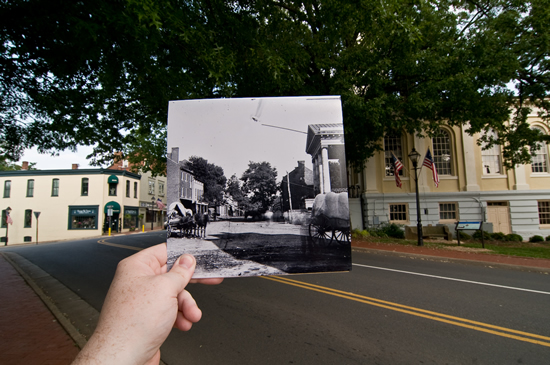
211	176
101	73
260	184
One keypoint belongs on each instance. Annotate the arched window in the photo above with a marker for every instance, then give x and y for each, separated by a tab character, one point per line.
442	152
540	160
392	143
491	158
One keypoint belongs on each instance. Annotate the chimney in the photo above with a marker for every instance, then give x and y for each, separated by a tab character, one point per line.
175	154
301	163
25	165
75	166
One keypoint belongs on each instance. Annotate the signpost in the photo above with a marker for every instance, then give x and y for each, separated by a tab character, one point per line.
109	214
37	214
473	226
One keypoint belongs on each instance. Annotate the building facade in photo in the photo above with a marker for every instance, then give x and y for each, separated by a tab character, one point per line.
67	204
474	185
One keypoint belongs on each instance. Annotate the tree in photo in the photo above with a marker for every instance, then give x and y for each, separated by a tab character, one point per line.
260	184
211	176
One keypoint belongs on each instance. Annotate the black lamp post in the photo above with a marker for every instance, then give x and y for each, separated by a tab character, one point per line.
8	211
415	158
152	211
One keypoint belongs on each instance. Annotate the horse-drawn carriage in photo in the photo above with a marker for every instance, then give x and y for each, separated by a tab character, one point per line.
181	222
330	220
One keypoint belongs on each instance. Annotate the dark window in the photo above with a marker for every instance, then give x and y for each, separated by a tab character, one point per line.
84	188
7	188
398	212
83	217
55	187
135	189
112	189
127	188
28	218
544	212
30	188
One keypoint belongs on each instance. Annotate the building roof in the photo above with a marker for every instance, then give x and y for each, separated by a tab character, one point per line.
30	173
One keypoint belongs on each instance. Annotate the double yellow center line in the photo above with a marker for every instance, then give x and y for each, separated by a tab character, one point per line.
457	321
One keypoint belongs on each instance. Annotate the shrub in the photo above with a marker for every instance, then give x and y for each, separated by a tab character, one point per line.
513	237
486	235
547	238
394	230
499	236
464	236
536	238
356	233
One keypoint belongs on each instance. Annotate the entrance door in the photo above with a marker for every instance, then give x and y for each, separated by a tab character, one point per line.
498	213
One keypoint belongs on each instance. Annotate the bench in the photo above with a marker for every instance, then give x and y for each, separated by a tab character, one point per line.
429	231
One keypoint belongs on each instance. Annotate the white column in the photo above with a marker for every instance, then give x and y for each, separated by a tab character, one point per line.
370	176
469	162
521	180
326	171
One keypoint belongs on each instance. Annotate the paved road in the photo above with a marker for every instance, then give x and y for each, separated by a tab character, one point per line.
388	310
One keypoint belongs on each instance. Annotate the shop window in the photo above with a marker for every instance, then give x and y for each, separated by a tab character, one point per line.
55	187
130	217
7	188
83	217
398	213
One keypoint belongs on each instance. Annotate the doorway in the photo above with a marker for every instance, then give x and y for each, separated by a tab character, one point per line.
498	213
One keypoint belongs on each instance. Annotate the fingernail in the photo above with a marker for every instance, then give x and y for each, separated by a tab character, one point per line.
186	261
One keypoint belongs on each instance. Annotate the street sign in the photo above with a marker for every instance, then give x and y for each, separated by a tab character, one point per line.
468	225
37	214
110	212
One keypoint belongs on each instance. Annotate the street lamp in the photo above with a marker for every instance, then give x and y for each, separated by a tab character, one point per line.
8	211
415	158
152	211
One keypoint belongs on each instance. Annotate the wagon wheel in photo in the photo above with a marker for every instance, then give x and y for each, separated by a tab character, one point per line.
342	237
169	231
319	235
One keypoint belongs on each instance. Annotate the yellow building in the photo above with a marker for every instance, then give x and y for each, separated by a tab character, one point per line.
69	203
474	185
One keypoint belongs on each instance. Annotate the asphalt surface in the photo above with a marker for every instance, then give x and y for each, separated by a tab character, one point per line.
394	307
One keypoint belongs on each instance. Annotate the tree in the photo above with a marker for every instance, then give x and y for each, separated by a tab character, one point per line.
234	189
260	184
104	73
211	176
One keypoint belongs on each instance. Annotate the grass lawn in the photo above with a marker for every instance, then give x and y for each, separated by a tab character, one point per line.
520	249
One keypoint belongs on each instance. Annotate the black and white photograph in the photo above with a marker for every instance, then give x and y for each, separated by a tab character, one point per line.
258	186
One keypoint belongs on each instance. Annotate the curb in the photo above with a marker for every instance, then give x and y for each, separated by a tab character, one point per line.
489	264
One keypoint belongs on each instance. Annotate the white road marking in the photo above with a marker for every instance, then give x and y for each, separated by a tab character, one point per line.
453	279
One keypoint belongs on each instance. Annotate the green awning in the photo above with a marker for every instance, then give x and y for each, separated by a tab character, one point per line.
113	205
113	179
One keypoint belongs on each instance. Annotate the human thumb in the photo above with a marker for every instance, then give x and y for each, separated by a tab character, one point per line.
182	271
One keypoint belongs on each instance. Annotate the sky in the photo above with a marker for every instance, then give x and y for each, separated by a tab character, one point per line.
232	132
63	161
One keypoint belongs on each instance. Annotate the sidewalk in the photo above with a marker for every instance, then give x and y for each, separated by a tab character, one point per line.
30	334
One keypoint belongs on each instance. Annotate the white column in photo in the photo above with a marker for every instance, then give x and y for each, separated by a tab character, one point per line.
326	171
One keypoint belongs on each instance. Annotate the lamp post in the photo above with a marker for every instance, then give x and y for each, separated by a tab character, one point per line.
152	211
8	211
415	158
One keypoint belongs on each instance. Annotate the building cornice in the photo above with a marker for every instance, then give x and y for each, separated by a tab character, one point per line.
69	172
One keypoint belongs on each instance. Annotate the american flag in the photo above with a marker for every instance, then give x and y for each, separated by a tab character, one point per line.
397	166
429	163
8	218
160	204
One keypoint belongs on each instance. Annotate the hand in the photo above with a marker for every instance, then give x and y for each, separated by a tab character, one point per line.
144	302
